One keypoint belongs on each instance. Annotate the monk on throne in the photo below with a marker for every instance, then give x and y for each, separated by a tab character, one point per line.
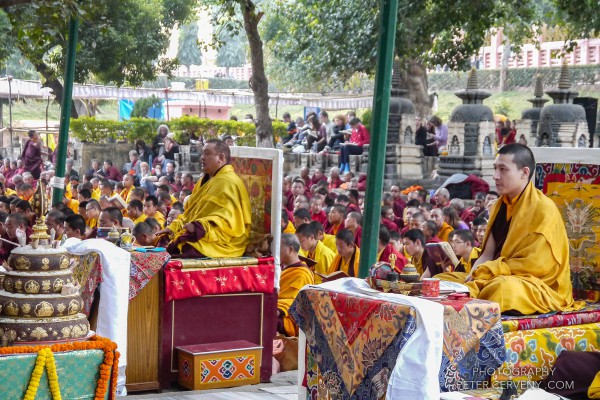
217	218
524	264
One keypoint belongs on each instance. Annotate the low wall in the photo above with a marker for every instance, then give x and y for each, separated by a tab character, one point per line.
84	153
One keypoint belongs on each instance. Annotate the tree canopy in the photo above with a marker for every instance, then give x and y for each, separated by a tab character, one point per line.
245	16
312	41
119	41
188	52
231	53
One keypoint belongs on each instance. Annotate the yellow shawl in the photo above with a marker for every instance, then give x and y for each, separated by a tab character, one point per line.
323	256
329	242
290	228
292	280
532	274
222	206
339	264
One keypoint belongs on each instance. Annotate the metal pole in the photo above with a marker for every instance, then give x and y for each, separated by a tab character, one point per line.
167	99
10	127
388	18
65	110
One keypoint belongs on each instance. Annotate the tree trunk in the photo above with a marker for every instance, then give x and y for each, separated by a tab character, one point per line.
227	72
258	80
414	79
504	66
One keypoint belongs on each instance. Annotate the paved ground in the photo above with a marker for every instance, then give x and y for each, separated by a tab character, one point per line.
283	386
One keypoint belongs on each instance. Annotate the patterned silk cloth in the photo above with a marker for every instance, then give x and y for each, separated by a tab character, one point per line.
574	189
473	343
353	343
87	271
143	267
531	354
258	275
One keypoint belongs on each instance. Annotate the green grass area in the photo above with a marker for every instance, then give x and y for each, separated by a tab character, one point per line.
511	102
36	110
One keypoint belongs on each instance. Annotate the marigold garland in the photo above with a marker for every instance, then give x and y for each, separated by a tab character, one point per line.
108	369
45	359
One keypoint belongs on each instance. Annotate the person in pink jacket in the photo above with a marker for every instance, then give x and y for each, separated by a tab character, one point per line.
354	146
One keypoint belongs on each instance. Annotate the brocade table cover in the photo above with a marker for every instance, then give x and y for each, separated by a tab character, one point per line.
87	271
353	343
143	267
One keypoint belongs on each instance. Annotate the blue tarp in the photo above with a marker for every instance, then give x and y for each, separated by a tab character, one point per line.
126	107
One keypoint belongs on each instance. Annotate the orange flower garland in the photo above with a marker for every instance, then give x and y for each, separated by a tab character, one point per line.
108	369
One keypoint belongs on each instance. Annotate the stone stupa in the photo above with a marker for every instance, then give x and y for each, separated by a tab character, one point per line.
470	148
563	124
530	118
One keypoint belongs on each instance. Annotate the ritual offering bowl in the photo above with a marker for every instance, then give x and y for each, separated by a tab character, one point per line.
409	273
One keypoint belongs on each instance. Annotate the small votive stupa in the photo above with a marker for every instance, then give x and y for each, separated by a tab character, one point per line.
562	124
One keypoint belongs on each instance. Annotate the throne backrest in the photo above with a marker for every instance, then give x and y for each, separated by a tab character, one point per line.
261	170
571	178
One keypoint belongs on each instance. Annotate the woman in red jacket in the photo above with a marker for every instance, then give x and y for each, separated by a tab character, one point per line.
359	137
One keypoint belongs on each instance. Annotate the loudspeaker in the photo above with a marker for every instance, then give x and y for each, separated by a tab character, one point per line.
590	104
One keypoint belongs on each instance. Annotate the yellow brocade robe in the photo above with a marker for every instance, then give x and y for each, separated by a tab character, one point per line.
290	228
339	264
444	232
222	206
458	276
532	274
292	280
96	194
594	389
74	206
323	256
139	219
126	195
159	217
329	242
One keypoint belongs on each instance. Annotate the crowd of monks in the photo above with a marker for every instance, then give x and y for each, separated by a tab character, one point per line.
512	244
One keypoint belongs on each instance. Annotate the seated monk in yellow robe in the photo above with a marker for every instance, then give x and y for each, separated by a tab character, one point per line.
144	236
216	221
348	254
315	250
294	276
524	264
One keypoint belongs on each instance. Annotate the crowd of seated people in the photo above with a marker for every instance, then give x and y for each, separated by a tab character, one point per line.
324	212
484	233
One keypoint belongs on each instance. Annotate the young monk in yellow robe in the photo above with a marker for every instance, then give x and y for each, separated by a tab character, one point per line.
217	219
443	228
524	264
348	254
314	249
294	276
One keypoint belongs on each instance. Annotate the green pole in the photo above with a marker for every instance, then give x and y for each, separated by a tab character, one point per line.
65	110
388	19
